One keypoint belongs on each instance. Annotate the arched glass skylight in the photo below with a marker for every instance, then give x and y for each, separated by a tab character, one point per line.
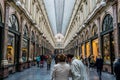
59	14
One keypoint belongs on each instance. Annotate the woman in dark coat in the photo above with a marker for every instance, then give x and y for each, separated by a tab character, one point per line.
99	66
116	67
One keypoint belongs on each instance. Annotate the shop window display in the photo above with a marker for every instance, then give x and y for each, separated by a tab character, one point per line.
87	49
106	49
24	50
32	50
10	49
25	45
108	52
108	42
95	48
83	52
32	45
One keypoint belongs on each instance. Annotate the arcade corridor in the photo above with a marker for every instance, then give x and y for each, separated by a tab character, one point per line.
32	30
37	73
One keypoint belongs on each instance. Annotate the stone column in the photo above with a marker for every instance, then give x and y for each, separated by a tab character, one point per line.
29	57
116	30
99	37
20	68
4	61
21	38
35	51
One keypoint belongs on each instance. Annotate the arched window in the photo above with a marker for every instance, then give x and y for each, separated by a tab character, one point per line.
25	33
107	23
33	37
0	16
13	23
94	30
87	35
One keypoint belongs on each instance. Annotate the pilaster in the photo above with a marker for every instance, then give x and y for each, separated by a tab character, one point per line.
5	38
116	31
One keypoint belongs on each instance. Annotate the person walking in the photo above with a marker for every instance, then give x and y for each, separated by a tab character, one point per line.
78	70
42	61
116	68
38	60
99	66
57	58
61	70
92	62
49	59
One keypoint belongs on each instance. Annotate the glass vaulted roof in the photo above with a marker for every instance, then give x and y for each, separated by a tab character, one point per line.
59	13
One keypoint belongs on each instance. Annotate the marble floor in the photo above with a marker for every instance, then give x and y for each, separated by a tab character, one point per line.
37	73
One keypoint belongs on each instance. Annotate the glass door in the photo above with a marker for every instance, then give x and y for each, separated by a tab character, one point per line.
108	50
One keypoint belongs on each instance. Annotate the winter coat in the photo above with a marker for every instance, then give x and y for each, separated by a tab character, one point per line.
99	63
116	68
38	58
61	71
78	70
49	59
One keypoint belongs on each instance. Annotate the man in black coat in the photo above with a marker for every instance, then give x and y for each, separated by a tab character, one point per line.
116	69
99	65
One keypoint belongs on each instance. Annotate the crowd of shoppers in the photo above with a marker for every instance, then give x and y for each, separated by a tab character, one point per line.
73	67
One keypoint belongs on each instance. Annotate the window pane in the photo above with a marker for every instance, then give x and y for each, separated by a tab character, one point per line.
10	49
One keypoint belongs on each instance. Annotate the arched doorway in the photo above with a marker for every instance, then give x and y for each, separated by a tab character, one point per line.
13	43
32	46
108	43
25	45
95	48
37	46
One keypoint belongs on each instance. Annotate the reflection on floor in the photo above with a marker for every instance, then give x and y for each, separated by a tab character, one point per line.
37	73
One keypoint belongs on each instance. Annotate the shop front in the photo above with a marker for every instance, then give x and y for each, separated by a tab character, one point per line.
87	49
32	48
13	44
95	49
108	43
25	47
94	42
83	51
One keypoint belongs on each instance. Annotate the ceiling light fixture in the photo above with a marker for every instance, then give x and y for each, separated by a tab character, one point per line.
18	3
